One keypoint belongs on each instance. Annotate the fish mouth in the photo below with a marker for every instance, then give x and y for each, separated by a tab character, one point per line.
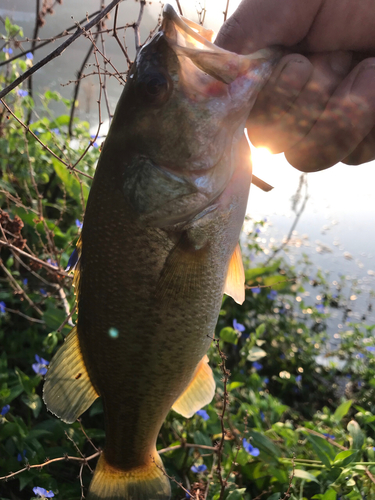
193	41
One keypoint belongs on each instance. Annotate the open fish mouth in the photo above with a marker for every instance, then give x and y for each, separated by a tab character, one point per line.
193	41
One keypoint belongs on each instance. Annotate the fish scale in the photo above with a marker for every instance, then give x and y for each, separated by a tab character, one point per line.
159	246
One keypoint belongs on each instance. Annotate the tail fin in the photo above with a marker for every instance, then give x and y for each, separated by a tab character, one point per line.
147	482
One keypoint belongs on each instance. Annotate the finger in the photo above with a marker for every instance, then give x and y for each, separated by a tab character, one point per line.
261	23
317	80
364	152
276	98
347	119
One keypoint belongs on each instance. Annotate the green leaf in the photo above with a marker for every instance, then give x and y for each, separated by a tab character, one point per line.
34	402
356	434
200	438
345	457
236	494
323	449
302	474
264	444
256	353
235	385
251	274
342	410
228	334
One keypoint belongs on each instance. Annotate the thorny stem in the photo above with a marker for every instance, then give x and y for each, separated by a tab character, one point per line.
57	52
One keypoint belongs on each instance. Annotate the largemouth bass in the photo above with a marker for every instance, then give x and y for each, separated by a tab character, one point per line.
159	246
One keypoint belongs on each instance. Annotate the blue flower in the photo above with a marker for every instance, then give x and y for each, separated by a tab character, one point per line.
8	50
2	307
331	436
262	417
203	414
282	356
25	282
72	262
320	308
198	468
22	93
79	224
5	410
272	295
21	456
29	55
40	367
257	366
256	290
250	448
298	378
41	492
42	291
370	348
266	380
52	262
360	355
55	130
238	326
257	230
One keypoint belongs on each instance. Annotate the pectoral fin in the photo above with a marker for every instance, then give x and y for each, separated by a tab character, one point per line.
199	392
68	390
235	281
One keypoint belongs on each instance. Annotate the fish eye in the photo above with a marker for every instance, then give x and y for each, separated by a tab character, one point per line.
155	88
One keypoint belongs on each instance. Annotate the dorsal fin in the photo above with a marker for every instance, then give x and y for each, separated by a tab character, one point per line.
235	281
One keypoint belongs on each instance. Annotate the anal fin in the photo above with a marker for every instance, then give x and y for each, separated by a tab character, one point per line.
199	392
68	390
235	281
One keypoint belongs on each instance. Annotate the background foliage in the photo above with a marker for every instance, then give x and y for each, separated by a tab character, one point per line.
293	427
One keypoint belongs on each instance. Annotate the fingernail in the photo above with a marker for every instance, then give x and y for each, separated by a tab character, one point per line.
293	77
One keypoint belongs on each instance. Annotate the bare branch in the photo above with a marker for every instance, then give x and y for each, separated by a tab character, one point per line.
226	11
57	52
137	25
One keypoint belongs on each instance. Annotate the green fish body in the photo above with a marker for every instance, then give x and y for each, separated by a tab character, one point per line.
158	248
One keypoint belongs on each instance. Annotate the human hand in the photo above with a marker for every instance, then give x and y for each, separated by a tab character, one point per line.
319	104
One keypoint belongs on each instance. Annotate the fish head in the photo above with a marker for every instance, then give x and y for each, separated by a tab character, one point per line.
183	109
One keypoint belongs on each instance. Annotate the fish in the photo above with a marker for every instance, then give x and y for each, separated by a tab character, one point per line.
157	250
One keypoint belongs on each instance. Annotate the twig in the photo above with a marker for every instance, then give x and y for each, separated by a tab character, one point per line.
29	318
226	11
298	215
70	167
35	259
20	290
136	26
125	52
287	494
47	41
179	7
66	320
77	86
187	445
67	458
57	52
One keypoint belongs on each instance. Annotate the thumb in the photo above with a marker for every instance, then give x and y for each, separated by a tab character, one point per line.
262	23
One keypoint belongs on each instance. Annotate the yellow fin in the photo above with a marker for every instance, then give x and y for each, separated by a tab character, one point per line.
68	390
147	482
235	281
199	392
